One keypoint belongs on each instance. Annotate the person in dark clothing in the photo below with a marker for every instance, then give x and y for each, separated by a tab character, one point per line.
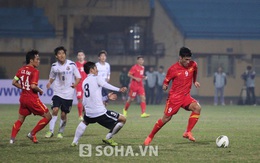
124	81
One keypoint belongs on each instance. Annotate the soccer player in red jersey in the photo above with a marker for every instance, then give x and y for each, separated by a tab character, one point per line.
136	73
80	65
26	79
182	74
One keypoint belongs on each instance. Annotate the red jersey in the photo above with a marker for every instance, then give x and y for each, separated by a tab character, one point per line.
138	72
28	75
182	78
83	75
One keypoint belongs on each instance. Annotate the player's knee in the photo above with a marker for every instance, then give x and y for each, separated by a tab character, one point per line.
79	100
166	119
143	99
21	118
131	99
55	111
63	116
197	108
122	119
48	116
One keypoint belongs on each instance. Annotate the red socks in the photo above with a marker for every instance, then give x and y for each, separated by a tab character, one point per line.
16	127
194	117
158	125
192	121
80	109
127	104
143	106
40	125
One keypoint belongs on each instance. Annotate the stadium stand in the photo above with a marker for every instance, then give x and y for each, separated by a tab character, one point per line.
222	19
25	22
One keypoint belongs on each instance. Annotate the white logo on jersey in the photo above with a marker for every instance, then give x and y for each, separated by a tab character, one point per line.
82	69
186	73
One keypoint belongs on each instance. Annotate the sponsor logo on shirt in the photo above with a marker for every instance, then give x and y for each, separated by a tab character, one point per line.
186	73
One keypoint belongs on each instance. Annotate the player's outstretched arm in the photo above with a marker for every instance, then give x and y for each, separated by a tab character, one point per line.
112	96
123	89
106	85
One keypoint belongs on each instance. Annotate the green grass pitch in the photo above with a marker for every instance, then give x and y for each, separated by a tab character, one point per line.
240	123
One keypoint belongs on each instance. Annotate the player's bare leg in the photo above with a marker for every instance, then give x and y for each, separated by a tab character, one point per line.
143	107
158	125
194	117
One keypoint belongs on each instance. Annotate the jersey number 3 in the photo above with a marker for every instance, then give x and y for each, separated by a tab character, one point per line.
86	90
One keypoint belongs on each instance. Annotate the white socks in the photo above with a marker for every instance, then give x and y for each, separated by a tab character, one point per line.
62	125
117	127
52	123
79	132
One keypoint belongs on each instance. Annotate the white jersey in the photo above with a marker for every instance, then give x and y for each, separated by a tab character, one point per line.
103	70
64	76
92	97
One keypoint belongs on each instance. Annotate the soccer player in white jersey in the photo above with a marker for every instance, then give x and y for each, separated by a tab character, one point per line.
95	110
64	77
103	69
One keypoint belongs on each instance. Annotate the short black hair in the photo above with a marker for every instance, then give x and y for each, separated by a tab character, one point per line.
101	52
249	68
89	65
31	55
56	50
139	56
185	52
80	51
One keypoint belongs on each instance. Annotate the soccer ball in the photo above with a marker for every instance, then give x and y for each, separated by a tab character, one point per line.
222	141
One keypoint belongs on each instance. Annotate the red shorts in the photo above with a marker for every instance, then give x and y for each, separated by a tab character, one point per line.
32	105
79	91
133	91
173	105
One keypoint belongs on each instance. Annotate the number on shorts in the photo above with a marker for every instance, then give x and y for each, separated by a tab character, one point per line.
169	110
86	91
134	94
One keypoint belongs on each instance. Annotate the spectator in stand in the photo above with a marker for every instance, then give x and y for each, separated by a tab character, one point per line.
124	81
159	83
249	78
220	81
150	85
